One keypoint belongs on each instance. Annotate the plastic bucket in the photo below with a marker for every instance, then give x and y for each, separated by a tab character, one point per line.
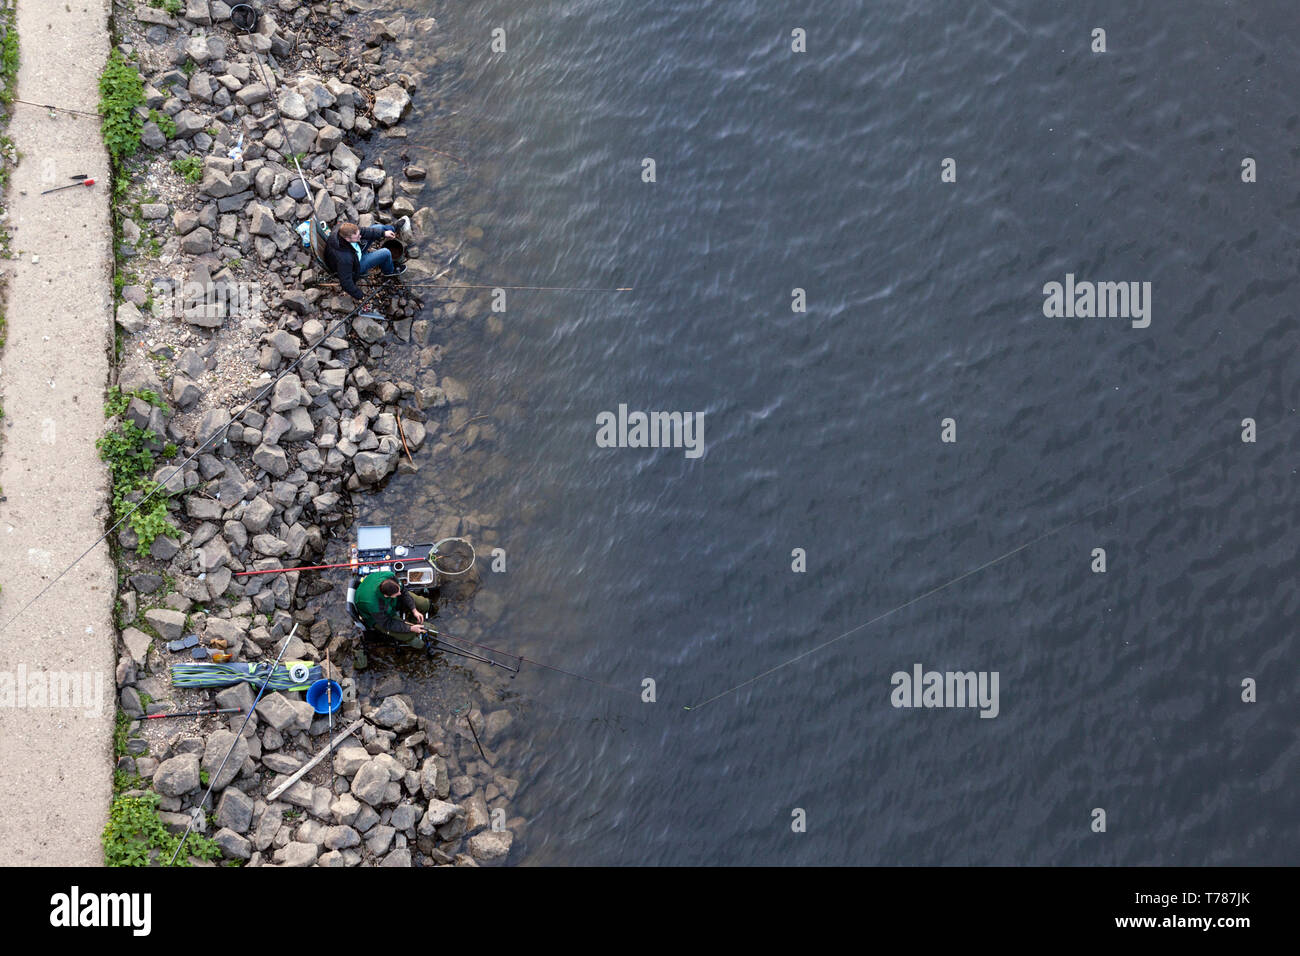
397	248
325	696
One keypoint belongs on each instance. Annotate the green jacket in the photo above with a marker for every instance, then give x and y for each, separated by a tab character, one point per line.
381	612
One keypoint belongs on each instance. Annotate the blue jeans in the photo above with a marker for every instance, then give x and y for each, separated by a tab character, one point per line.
379	257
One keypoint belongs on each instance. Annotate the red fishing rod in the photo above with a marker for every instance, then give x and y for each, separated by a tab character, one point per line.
311	567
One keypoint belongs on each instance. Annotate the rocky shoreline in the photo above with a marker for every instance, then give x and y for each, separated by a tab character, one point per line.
218	297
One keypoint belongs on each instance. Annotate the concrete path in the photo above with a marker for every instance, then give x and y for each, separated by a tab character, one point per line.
56	761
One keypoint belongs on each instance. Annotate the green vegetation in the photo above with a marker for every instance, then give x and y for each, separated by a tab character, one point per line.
136	836
130	453
190	167
121	727
9	60
164	122
120	91
123	781
173	7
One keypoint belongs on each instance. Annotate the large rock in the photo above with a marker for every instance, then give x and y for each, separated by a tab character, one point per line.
367	329
390	103
177	776
137	644
188	123
434	781
438	813
287	394
169	624
371	783
292	105
300	854
490	844
218	743
396	714
372	467
349	758
257	515
252	93
263	223
277	710
271	459
233	846
301	136
342	837
196	243
235	810
129	317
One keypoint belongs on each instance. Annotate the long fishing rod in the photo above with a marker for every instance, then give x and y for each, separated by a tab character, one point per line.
310	567
329	706
529	660
425	284
521	288
198	810
437	639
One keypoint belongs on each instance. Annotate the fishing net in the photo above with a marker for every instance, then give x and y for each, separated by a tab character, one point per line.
452	556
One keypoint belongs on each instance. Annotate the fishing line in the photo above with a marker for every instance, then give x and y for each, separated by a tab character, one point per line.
163	484
522	288
238	736
61	109
529	660
987	564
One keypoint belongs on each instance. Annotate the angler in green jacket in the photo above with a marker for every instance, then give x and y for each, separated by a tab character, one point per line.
383	603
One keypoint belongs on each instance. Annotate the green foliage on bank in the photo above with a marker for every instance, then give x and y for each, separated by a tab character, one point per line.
188	167
121	90
137	836
131	454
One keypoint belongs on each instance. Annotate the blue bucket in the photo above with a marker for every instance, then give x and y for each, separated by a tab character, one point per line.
323	702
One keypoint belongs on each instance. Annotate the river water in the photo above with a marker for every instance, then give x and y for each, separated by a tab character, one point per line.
1120	691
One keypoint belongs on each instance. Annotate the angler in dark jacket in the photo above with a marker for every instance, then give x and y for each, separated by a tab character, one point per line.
347	251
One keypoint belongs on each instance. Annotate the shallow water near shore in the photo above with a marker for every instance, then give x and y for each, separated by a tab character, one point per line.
1120	690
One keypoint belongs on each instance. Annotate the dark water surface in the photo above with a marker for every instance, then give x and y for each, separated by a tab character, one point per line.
821	171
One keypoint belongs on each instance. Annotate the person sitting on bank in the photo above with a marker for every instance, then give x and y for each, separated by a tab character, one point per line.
348	253
382	603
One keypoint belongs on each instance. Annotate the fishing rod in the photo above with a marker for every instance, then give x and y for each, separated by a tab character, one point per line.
521	288
425	284
197	713
433	637
329	706
310	567
198	810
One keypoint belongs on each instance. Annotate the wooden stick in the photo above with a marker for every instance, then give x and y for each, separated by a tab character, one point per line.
298	775
402	431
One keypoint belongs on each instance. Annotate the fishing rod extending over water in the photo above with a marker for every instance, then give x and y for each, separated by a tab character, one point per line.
427	284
